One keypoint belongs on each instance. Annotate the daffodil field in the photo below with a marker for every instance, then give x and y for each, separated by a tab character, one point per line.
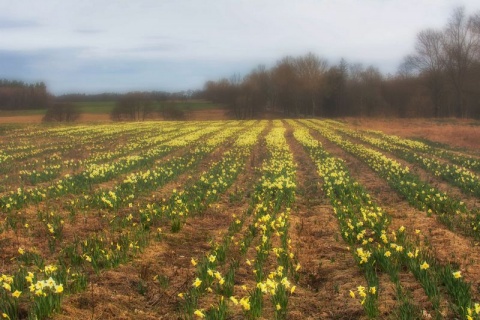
260	219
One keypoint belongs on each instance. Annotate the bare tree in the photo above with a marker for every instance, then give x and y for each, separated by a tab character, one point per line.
311	71
61	112
462	45
255	90
285	82
134	106
430	60
335	91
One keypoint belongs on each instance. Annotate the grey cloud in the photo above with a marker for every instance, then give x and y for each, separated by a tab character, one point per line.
88	31
155	48
7	23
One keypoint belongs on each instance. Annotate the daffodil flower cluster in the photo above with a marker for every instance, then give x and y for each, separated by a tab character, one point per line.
103	250
41	290
221	175
95	173
387	250
362	223
457	175
418	193
151	179
275	190
462	160
47	173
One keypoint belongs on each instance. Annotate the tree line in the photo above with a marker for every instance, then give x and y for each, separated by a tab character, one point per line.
138	105
441	78
131	106
18	95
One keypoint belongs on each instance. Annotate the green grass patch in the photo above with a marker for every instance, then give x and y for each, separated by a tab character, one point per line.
191	105
102	107
15	113
106	107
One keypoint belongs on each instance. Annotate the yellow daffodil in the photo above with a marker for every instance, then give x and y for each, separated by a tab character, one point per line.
7	286
59	288
477	308
245	303
29	277
199	313
197	283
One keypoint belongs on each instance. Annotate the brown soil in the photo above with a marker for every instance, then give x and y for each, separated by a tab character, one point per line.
37	118
428	176
197	115
22	119
460	133
328	270
211	114
169	259
448	247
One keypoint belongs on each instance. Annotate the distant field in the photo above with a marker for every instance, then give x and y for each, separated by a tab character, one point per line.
15	113
100	110
98	107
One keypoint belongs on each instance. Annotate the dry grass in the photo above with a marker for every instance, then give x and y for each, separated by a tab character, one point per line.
459	133
329	270
197	115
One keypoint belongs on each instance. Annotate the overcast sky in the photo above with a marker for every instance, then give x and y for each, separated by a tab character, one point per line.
99	45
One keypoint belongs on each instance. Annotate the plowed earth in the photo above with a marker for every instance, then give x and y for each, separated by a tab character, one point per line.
147	286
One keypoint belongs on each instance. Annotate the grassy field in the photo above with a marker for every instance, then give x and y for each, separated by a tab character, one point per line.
4	113
97	107
194	105
105	107
261	219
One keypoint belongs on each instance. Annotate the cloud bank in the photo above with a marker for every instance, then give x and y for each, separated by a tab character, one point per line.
95	46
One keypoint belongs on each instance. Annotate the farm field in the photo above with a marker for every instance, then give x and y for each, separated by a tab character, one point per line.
264	219
99	111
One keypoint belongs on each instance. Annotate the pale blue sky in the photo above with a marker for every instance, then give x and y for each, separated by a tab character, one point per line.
99	45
